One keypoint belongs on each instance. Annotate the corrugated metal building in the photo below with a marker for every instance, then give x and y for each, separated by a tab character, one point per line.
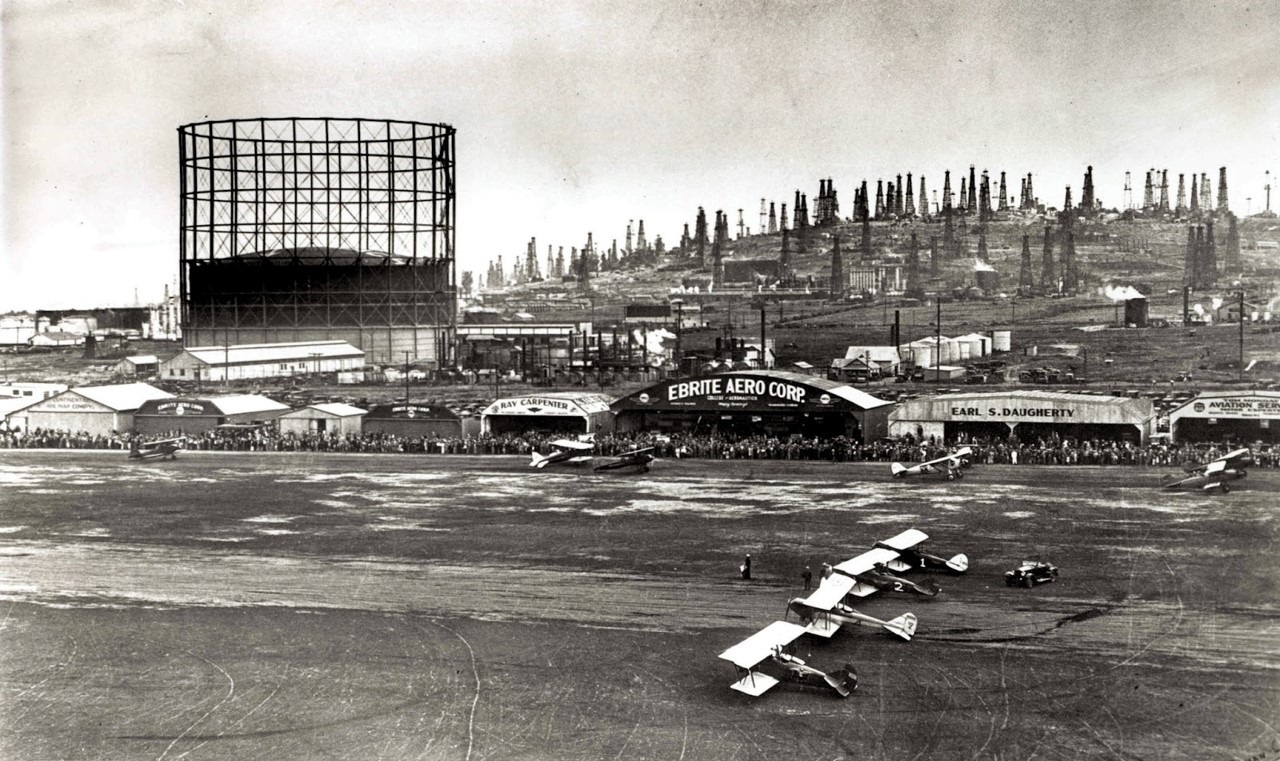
97	410
1242	418
217	363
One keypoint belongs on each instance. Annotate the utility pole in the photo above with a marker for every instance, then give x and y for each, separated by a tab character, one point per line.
937	367
1241	308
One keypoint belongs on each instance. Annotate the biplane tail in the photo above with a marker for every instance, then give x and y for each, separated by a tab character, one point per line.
539	460
959	563
903	626
899	470
843	681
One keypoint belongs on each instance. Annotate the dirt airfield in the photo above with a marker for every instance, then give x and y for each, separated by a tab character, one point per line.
293	606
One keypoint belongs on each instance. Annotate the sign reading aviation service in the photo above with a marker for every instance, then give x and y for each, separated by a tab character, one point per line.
1250	407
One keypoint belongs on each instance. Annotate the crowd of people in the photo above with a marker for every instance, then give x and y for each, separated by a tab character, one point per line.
1042	451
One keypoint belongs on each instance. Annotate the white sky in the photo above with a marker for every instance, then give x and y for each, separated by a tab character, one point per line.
579	116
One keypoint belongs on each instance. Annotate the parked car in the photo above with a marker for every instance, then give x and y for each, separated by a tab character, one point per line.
1030	573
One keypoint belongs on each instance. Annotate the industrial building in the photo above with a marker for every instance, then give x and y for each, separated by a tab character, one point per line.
754	402
1242	418
193	415
301	229
1027	414
220	363
96	410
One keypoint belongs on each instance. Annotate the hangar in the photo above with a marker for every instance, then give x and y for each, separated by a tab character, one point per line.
417	420
1028	414
556	412
755	402
97	410
190	415
1240	417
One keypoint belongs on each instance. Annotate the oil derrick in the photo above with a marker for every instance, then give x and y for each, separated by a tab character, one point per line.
879	199
1209	259
1222	191
589	254
924	201
686	243
915	290
866	237
1206	193
773	219
742	225
984	197
1070	271
898	206
1067	210
837	271
764	216
797	223
1086	193
964	197
551	265
1231	257
627	251
1191	266
933	256
783	217
1128	191
1022	193
560	272
1031	193
613	250
828	206
717	262
700	236
1164	191
1026	281
888	199
531	260
909	207
1181	209
864	203
946	193
583	271
804	210
1148	193
1004	195
784	257
1048	273
642	243
973	190
1194	208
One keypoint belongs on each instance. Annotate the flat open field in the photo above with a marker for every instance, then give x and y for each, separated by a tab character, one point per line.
229	606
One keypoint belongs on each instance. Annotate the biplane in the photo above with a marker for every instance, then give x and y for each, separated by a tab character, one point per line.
824	611
1216	474
948	464
635	461
766	648
909	546
873	571
164	449
565	452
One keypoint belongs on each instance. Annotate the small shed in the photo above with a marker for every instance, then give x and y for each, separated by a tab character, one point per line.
55	340
140	366
329	417
414	420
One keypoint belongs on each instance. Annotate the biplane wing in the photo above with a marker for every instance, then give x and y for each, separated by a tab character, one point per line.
760	646
1216	474
863	563
952	465
911	555
831	592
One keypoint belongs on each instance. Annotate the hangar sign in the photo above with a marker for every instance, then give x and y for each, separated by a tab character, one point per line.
1235	407
737	392
1002	413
